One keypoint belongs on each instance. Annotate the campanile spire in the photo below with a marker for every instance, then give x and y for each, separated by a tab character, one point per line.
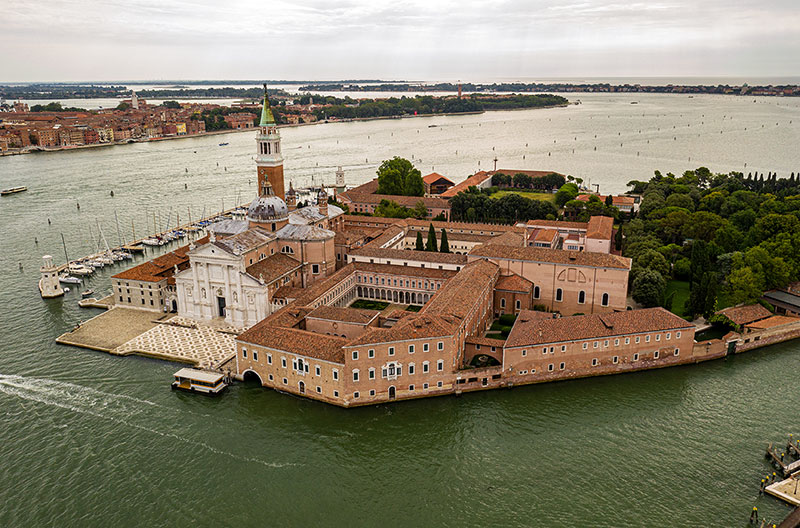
269	161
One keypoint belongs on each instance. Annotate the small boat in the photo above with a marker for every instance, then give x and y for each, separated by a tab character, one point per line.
87	293
66	290
13	190
202	381
152	242
634	102
68	279
432	126
79	269
223	144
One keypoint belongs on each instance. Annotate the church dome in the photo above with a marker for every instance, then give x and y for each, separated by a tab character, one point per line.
269	208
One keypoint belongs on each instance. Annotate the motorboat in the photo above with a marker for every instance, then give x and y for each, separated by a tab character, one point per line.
13	190
152	242
79	269
68	279
87	293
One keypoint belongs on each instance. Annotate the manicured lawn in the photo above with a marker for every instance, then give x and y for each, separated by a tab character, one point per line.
681	289
369	305
546	197
413	308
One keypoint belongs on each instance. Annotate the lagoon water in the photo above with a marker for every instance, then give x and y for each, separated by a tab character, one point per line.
93	440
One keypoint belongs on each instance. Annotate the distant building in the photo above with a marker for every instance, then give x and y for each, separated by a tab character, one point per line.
436	184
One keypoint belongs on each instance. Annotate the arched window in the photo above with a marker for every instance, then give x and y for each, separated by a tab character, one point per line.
535	292
559	294
581	297
605	299
287	249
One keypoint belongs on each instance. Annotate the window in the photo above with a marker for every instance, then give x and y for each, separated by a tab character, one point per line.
391	351
550	367
627	340
355	355
411	387
544	350
356	395
255	355
285	381
440	365
410	368
585	345
658	337
563	348
562	366
637	339
425	347
424	385
502	303
616	342
315	269
372	373
677	335
425	367
581	297
594	362
269	359
655	354
559	295
244	353
524	353
371	353
319	389
355	375
440	345
636	357
270	377
605	343
615	360
517	304
604	300
535	292
668	335
596	344
335	374
551	350
283	362
372	392
647	339
410	349
677	351
335	394
439	384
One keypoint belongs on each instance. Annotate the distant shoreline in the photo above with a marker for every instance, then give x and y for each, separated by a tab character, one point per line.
37	150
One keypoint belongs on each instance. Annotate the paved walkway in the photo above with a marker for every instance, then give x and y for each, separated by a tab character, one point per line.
186	341
110	329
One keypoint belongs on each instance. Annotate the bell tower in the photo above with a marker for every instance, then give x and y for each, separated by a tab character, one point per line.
269	160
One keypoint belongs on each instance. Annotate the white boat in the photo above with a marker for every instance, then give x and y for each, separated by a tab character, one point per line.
87	293
152	242
105	260
78	269
68	279
194	380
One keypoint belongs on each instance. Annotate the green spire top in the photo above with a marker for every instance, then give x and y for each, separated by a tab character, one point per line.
267	118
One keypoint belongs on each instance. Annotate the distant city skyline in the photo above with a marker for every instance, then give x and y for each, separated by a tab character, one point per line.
71	40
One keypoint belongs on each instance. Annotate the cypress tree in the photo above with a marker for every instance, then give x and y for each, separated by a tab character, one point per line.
444	246
420	245
431	245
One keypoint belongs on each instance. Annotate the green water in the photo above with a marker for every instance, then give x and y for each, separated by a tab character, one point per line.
88	439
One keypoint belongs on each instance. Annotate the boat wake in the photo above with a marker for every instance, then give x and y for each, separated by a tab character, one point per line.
117	408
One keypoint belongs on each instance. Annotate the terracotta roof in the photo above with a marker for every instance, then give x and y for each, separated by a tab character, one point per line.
600	227
299	342
740	315
772	322
551	256
161	267
434	177
485	341
273	267
531	329
461	292
513	283
508	239
418	326
475	179
546	235
412	255
367	194
288	292
558	224
348	315
408	271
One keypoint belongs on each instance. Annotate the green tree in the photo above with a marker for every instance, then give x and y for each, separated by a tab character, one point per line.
431	245
648	288
420	211
567	192
743	286
444	246
172	104
420	245
652	259
398	176
522	180
680	200
123	106
682	269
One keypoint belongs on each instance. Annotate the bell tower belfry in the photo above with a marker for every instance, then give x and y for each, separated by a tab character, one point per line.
269	160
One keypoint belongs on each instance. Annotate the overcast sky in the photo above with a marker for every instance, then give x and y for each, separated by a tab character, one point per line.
72	40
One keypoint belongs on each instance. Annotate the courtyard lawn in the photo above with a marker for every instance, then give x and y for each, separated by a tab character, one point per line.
369	305
681	289
531	195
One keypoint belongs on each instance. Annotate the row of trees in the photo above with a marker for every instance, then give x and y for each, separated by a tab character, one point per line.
431	245
715	232
476	205
521	180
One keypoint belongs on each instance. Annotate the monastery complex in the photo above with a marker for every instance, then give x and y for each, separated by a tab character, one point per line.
287	278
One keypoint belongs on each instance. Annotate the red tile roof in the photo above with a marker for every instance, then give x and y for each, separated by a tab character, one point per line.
434	177
558	224
294	341
347	315
273	267
513	283
551	256
600	227
740	315
476	179
412	255
161	267
772	322
531	329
